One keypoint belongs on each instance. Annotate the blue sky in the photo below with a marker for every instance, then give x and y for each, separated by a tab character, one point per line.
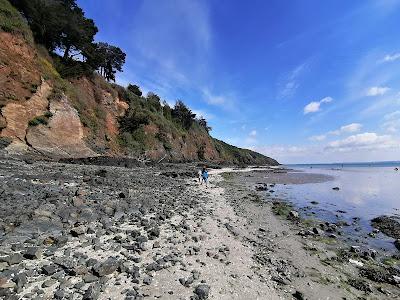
298	80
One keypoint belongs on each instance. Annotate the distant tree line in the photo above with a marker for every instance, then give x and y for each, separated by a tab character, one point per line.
137	115
61	26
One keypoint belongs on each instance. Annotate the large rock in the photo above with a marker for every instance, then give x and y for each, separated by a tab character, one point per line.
63	137
106	268
202	291
388	225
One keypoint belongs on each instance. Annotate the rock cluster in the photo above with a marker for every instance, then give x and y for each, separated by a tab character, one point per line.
78	232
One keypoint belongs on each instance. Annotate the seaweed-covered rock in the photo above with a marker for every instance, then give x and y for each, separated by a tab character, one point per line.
388	225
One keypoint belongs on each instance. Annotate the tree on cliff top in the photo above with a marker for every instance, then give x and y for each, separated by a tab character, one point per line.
61	26
111	59
183	114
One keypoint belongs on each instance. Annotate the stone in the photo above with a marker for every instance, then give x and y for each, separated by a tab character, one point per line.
153	233
298	295
49	283
79	230
202	291
49	269
317	231
147	280
106	268
293	214
20	280
13	259
59	294
77	201
33	253
5	284
389	225
397	244
92	293
90	278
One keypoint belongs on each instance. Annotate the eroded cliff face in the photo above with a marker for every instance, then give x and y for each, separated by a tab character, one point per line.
63	136
39	117
46	115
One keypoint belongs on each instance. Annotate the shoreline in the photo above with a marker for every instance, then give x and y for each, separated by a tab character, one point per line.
334	262
102	232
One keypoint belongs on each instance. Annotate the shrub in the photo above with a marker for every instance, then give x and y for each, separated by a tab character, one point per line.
133	88
38	120
12	21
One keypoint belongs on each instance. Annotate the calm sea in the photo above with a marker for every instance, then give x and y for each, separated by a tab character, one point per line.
366	190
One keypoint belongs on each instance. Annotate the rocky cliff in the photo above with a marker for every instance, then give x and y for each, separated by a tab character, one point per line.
44	114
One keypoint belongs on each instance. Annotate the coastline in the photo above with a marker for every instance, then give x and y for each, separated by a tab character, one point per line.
103	232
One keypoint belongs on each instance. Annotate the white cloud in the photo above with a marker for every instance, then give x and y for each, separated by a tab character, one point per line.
350	128
253	133
392	122
317	138
377	91
315	106
214	99
392	57
353	127
366	141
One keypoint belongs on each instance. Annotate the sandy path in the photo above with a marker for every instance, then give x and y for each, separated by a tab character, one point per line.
223	261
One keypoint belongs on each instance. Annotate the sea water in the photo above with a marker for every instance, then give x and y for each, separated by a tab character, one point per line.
366	190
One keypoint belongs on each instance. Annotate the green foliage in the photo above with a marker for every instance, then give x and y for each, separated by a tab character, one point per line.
133	88
183	115
134	141
48	114
107	58
167	111
281	208
153	102
39	120
61	25
134	119
203	123
12	21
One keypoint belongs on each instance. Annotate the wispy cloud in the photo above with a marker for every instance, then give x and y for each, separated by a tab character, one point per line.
225	101
377	91
315	106
350	128
317	138
392	122
291	81
171	55
391	57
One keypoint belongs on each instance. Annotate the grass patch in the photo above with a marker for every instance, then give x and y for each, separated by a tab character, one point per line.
281	208
41	120
391	261
326	240
11	21
228	175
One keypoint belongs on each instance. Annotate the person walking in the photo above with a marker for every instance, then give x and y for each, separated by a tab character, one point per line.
200	175
204	175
